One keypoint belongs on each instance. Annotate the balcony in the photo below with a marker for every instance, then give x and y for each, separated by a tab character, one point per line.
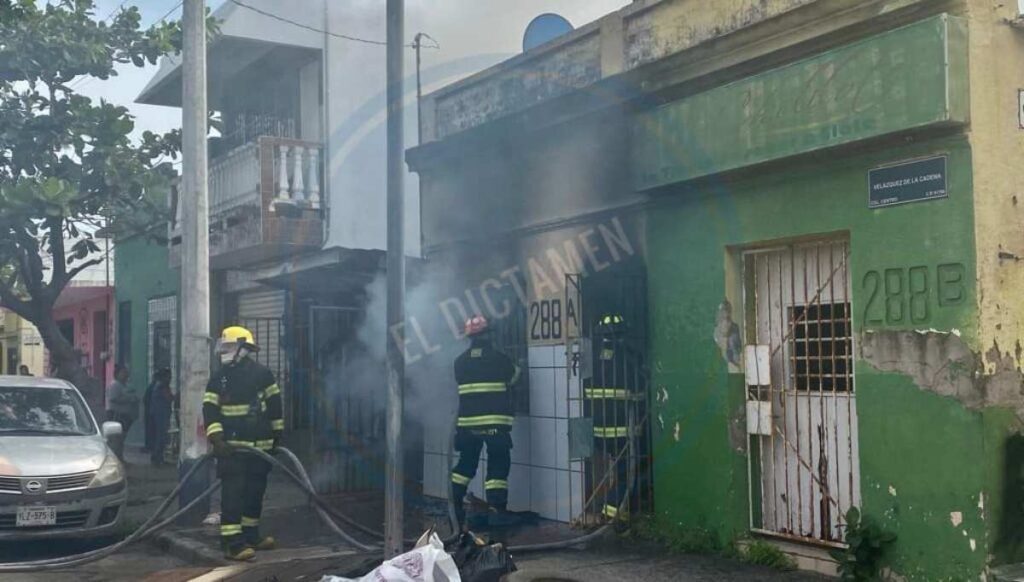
266	200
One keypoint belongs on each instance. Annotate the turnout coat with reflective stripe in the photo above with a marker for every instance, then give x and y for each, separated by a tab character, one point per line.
617	385
484	375
243	402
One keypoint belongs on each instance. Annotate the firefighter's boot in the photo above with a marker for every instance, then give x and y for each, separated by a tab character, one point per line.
238	552
256	541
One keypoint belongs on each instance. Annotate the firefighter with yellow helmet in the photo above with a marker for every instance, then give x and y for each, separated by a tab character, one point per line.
242	407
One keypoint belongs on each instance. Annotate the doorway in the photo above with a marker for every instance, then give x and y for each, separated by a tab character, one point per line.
801	397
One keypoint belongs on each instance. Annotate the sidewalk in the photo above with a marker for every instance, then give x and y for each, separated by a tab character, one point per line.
308	549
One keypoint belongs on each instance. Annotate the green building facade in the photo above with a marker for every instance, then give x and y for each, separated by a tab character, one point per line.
147	314
829	234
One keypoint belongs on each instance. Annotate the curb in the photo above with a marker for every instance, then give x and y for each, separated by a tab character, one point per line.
189	550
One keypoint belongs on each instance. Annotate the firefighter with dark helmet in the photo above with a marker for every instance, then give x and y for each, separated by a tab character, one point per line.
484	376
242	407
612	400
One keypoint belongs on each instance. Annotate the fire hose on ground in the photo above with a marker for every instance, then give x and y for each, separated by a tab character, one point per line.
301	478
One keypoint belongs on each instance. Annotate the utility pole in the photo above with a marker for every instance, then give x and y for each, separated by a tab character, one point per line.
195	248
395	481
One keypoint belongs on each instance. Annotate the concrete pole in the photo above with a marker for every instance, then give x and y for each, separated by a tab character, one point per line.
395	480
195	249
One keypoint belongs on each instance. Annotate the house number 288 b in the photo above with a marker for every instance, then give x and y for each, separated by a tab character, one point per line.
911	294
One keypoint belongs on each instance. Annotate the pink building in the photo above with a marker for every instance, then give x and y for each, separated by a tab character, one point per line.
83	315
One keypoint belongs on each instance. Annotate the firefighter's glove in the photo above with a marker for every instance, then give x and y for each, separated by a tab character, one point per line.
278	435
221	449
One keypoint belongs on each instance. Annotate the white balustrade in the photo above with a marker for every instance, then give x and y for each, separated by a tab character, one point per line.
296	175
234	180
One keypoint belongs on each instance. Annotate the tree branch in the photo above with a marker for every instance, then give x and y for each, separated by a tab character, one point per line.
74	272
56	228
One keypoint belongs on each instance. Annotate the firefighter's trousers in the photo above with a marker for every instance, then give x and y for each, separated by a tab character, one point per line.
469	443
612	460
243	484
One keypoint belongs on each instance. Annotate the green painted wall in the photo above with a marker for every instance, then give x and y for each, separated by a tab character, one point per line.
910	77
929	449
142	274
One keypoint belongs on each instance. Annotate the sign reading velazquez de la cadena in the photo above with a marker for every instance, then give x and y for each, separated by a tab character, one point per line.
912	181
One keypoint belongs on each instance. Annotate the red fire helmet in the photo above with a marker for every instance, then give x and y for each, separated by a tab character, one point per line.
476	325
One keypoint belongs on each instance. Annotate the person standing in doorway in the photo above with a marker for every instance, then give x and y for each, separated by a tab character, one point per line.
122	405
484	376
158	420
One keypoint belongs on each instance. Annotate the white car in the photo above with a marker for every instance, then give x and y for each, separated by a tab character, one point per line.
58	477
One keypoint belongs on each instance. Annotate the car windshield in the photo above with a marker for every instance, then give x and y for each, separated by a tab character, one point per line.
43	411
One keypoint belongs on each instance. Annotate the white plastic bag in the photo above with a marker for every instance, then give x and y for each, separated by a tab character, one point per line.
427	563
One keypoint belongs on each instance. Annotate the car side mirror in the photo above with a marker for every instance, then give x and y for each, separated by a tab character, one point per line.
112	430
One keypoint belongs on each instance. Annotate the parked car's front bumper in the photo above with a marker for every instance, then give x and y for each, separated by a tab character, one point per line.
80	514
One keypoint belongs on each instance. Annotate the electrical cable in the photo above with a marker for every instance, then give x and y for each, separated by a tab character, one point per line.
300	477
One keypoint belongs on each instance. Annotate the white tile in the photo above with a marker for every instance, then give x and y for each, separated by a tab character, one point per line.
543	484
521	431
519	487
541	356
569	501
575	409
561	394
542	450
542	391
577	496
559	356
434	482
562	443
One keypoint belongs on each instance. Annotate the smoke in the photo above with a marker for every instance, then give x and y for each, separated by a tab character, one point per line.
355	377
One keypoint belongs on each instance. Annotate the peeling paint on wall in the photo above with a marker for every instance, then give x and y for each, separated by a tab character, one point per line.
727	335
956	518
676	431
941	362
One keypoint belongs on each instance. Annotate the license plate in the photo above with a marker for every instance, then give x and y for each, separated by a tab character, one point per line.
36	515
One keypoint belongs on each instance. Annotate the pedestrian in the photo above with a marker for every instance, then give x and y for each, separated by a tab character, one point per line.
23	370
158	419
122	405
484	376
242	408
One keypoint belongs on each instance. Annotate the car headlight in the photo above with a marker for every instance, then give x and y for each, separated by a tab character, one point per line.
110	473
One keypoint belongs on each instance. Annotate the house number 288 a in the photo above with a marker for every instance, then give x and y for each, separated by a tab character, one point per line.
911	294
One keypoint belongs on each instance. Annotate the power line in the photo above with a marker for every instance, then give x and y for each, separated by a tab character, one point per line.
312	28
168	13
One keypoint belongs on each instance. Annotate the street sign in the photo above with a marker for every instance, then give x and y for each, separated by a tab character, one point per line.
911	181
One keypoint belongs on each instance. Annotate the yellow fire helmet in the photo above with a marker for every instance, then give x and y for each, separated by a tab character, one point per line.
237	334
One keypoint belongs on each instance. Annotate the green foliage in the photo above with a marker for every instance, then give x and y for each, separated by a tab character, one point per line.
68	165
867	545
762	553
690	540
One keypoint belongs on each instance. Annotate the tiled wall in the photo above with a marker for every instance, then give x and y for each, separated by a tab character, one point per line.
542	477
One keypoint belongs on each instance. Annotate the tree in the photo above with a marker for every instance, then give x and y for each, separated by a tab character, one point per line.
68	164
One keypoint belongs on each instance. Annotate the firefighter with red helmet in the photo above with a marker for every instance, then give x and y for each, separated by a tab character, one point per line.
242	407
484	376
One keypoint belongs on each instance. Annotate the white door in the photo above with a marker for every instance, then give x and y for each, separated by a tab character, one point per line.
803	422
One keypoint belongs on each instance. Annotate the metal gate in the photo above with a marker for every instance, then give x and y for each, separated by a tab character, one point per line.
268	333
346	404
603	463
801	404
